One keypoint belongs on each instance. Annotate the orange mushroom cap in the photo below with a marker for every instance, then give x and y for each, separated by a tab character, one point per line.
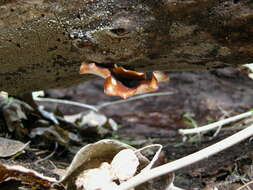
113	87
146	86
92	68
113	77
127	74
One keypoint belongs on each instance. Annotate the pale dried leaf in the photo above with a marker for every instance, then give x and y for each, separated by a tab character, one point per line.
107	167
73	118
11	147
14	112
94	179
124	164
93	119
93	155
55	133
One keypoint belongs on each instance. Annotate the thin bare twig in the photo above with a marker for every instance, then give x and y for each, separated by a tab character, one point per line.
246	185
91	107
49	156
215	125
188	160
99	107
96	108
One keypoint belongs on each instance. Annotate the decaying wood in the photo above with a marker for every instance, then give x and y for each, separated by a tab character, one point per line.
43	42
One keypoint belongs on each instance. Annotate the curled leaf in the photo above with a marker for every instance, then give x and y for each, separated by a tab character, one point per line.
94	155
15	112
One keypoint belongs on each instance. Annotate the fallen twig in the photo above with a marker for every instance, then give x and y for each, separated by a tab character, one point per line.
188	160
99	107
215	125
91	107
96	108
49	156
245	185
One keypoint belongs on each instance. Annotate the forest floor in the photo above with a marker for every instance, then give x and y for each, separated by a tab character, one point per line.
197	98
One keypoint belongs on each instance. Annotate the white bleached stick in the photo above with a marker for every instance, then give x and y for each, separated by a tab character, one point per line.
188	160
215	125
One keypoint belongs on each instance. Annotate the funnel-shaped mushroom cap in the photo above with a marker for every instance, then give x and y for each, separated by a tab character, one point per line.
92	68
122	82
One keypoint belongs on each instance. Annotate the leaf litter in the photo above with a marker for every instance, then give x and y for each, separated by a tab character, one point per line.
101	165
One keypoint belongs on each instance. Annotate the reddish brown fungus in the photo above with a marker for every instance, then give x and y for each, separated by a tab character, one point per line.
127	74
114	77
113	87
92	68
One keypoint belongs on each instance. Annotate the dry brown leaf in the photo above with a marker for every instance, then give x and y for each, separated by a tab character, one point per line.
54	134
10	147
30	177
15	111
